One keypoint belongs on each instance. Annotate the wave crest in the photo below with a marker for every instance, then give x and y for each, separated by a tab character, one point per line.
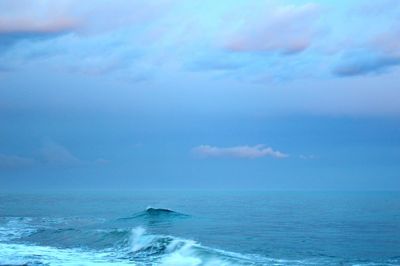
169	250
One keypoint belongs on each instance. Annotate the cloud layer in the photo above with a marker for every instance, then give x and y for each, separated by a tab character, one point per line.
263	56
246	39
250	152
26	20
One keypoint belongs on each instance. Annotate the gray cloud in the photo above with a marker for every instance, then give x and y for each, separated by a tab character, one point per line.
375	56
51	154
245	151
366	65
55	154
15	162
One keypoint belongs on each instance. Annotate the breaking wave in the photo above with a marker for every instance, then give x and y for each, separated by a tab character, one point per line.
134	247
23	244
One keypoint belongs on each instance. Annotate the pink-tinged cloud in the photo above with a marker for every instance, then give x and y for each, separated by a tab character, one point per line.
380	54
287	30
14	30
58	25
388	42
245	151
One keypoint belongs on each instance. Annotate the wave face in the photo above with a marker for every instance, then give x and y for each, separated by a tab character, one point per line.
157	213
160	211
210	231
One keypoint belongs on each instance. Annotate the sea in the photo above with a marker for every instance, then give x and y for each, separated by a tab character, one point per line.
199	228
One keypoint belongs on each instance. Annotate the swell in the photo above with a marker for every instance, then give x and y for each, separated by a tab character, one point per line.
156	213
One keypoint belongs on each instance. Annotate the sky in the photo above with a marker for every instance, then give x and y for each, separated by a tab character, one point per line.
259	94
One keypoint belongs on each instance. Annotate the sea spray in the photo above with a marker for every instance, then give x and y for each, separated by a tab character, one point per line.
138	240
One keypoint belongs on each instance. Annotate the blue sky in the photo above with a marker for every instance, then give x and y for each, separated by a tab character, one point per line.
280	95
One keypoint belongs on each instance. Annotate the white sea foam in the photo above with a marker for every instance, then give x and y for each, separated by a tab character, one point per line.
16	227
174	251
19	254
139	240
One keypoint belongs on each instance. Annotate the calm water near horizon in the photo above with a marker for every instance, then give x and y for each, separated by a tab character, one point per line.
200	228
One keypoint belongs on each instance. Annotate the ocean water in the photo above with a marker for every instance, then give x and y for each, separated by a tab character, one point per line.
200	228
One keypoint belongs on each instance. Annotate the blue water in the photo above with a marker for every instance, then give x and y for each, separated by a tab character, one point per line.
200	228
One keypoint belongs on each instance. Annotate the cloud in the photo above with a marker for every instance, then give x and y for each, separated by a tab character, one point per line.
284	29
102	161
15	162
57	155
377	8
366	64
151	37
307	156
17	29
51	154
389	41
375	55
214	63
82	37
5	69
245	151
381	53
150	40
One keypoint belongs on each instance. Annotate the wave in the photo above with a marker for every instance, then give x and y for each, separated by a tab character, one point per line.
15	228
73	246
150	217
156	213
138	247
169	250
161	211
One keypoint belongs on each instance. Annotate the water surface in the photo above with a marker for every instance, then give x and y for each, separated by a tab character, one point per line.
200	228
